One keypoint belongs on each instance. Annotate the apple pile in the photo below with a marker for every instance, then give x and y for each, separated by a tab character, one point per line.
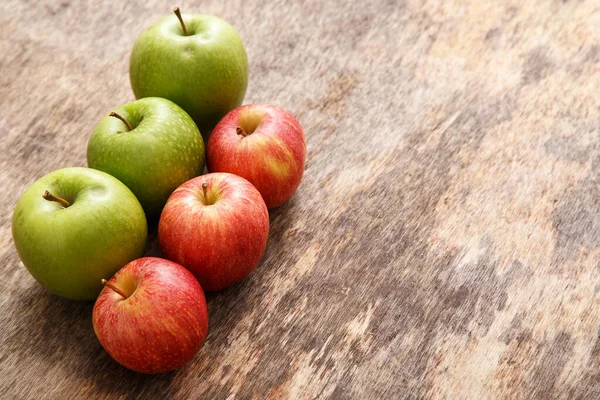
82	232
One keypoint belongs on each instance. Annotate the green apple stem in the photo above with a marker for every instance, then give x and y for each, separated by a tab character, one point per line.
240	131
113	287
50	197
114	114
178	13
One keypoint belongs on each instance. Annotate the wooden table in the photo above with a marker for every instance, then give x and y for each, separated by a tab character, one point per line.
444	243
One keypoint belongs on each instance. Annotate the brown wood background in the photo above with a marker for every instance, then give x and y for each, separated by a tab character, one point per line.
444	243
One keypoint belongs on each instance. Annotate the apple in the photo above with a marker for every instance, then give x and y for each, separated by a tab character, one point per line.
264	144
217	226
151	317
151	145
76	226
196	61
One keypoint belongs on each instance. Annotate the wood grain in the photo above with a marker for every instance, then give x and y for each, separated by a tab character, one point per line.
444	243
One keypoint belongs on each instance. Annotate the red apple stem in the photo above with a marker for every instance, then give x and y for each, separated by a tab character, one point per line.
205	191
178	13
240	131
114	114
113	287
50	197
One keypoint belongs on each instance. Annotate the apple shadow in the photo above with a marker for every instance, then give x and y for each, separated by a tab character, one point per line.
60	337
152	245
205	129
280	219
205	137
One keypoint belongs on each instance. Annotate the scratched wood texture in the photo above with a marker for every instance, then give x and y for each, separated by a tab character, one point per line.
445	240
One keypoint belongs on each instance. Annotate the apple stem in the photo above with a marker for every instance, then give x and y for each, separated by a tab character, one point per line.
178	13
205	191
113	287
240	131
114	114
50	197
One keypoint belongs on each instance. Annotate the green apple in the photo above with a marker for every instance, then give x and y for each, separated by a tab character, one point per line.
196	61
76	226
151	145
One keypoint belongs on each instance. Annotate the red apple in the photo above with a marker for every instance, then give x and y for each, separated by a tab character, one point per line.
151	316
217	226
264	144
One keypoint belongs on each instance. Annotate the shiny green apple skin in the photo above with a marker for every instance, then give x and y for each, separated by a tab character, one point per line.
206	72
163	150
69	250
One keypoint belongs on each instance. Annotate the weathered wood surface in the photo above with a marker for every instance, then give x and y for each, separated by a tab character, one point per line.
444	243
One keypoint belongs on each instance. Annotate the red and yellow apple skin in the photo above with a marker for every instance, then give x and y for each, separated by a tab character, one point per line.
264	144
162	323
217	226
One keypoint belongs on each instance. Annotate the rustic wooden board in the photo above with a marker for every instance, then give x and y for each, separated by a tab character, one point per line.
444	243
